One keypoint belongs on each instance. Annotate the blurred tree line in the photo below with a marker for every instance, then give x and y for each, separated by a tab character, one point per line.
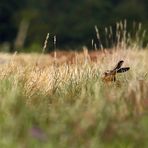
25	23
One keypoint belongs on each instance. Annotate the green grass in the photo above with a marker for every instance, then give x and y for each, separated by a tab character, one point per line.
69	106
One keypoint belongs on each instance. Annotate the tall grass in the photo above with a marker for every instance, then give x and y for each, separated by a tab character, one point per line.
119	36
68	105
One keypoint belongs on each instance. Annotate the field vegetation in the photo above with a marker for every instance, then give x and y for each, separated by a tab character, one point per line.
59	99
62	102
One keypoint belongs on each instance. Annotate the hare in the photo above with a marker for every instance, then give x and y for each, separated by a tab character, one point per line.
110	75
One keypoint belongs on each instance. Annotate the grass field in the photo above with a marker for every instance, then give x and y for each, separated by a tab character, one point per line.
60	101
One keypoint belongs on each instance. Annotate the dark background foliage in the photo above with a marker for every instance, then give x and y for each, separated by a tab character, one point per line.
71	21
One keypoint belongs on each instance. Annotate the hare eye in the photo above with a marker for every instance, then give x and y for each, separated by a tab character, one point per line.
107	73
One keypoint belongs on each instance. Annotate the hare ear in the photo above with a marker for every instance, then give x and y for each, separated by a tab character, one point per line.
119	64
124	69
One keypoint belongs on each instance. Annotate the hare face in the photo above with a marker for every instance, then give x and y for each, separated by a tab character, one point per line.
110	75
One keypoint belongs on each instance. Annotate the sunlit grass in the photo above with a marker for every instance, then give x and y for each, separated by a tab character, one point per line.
55	104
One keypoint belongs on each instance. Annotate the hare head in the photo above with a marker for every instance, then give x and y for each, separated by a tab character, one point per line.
110	75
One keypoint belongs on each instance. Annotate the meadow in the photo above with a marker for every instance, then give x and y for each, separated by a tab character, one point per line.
59	100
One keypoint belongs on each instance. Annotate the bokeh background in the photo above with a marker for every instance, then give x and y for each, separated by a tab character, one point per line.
25	23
